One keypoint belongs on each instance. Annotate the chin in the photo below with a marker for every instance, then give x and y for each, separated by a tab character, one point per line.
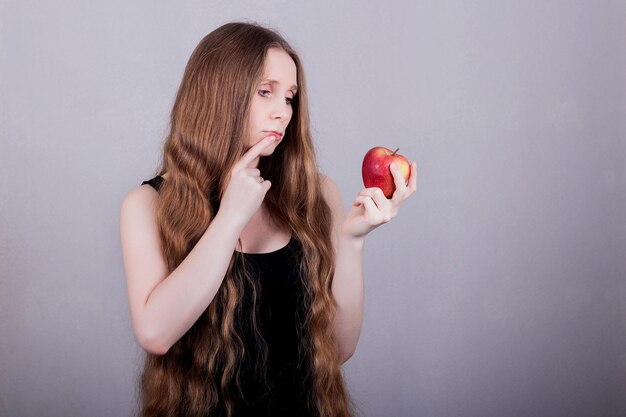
269	150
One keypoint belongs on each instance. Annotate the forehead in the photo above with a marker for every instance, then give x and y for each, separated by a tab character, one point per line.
279	68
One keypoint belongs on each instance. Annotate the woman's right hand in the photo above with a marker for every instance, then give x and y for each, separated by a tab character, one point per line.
246	188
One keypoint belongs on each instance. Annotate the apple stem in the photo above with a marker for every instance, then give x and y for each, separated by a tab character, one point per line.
394	152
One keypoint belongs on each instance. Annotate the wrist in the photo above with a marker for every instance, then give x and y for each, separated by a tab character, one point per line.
232	221
354	241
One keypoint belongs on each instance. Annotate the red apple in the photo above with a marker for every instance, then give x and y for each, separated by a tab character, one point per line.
376	171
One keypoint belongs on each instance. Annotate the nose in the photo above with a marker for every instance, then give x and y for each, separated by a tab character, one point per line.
281	110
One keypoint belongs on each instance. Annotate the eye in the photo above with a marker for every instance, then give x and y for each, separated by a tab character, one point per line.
263	93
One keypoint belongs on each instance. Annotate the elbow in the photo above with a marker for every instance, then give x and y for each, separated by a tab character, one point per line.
152	343
345	356
154	349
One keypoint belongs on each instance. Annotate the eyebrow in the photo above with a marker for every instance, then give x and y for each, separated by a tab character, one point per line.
293	87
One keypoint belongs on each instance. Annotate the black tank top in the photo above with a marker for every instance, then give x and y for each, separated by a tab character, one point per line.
281	310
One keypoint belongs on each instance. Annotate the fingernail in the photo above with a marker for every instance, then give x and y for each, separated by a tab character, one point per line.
394	166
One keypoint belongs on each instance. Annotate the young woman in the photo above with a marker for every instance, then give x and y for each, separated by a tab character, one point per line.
244	274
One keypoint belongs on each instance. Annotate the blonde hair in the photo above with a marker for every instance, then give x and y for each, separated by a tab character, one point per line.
208	127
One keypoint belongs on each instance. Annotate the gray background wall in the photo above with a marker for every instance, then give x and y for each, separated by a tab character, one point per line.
499	290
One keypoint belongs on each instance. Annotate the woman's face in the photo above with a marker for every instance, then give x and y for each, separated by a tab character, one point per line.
271	104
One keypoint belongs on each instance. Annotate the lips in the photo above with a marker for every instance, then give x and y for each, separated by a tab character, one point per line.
274	133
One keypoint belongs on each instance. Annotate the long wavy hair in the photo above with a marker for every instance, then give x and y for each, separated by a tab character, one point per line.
207	135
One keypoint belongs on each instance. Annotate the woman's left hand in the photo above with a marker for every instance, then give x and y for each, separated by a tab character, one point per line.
371	208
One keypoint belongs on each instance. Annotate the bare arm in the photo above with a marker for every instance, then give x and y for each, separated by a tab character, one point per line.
164	307
347	286
349	294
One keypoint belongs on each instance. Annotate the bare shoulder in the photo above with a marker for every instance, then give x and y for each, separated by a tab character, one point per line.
138	217
138	206
140	194
330	190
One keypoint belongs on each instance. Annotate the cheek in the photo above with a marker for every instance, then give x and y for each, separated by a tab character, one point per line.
255	125
255	111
